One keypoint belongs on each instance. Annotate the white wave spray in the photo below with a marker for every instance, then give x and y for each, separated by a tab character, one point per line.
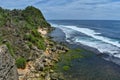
103	44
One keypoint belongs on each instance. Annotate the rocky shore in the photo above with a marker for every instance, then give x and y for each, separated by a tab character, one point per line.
42	67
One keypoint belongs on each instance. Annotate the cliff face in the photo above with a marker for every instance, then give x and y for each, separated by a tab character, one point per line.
18	30
8	70
23	36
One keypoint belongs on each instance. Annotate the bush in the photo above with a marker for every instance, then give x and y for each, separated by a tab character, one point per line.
34	17
21	63
30	38
35	38
41	44
35	33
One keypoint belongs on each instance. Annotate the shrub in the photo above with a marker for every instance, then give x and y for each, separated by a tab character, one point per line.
30	38
35	38
41	44
34	17
36	33
21	63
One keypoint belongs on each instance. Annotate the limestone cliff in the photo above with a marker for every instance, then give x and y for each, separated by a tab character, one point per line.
8	70
23	34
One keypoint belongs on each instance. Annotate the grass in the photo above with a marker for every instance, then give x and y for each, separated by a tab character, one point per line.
10	48
35	38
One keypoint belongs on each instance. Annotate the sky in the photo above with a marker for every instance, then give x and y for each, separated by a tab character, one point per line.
70	9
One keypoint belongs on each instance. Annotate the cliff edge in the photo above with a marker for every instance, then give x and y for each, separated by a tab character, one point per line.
8	70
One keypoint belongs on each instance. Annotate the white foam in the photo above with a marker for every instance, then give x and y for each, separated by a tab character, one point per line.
103	44
93	34
102	47
117	55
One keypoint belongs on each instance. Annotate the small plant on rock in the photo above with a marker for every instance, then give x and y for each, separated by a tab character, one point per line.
21	63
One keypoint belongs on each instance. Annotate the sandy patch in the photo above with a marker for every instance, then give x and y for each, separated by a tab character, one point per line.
42	31
25	72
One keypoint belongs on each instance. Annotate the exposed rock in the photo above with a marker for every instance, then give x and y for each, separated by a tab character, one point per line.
53	49
54	76
26	47
60	47
39	66
8	70
47	77
4	41
51	71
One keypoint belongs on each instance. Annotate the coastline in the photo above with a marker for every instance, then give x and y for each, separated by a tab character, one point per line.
39	56
60	38
24	33
43	66
92	57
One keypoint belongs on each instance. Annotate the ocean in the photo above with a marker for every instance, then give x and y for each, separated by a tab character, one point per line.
102	35
98	36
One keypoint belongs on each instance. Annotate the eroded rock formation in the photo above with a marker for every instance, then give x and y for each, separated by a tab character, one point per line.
8	70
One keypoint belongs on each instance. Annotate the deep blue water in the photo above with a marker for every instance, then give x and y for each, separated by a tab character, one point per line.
102	35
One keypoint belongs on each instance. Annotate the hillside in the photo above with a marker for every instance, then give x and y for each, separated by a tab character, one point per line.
18	30
24	32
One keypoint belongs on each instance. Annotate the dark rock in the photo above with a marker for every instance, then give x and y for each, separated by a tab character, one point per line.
66	49
53	49
4	41
34	48
47	76
51	44
39	66
55	59
26	47
61	77
59	47
54	76
46	60
8	70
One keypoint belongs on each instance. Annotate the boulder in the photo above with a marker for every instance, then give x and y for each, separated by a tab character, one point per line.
8	70
39	66
54	76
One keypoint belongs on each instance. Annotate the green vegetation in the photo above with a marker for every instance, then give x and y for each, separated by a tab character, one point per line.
3	17
65	68
35	38
21	63
33	16
10	48
18	30
71	55
67	58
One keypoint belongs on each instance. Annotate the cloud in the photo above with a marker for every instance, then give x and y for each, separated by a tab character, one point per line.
70	9
11	4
